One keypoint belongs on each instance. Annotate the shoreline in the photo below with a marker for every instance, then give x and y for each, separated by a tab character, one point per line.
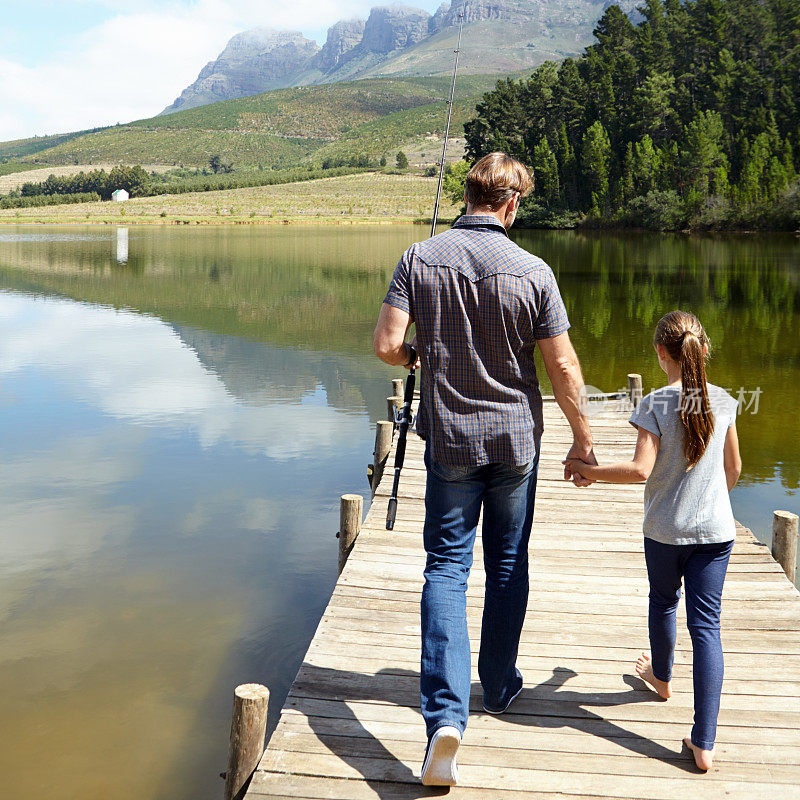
125	222
350	222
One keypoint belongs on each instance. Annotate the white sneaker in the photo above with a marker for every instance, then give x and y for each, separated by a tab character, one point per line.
439	767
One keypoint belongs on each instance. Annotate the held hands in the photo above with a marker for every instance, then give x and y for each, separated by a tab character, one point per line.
577	457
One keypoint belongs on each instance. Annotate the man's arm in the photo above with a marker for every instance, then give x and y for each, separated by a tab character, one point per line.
389	340
564	371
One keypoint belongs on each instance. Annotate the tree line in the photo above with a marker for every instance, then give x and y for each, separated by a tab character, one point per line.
134	180
691	117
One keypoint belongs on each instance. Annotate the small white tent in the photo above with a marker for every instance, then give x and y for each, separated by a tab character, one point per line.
119	194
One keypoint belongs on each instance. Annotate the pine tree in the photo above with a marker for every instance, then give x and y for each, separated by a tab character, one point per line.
595	159
545	167
702	153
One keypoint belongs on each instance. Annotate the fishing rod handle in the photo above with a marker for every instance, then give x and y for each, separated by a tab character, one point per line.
391	513
411	380
400	453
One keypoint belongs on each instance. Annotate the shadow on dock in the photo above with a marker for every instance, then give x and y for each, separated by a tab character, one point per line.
547	705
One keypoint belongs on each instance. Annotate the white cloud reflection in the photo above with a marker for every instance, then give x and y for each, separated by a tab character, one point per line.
137	368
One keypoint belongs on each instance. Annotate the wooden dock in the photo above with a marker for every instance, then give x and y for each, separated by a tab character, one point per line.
584	725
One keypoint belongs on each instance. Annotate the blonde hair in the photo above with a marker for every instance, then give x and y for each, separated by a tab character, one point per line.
494	179
683	337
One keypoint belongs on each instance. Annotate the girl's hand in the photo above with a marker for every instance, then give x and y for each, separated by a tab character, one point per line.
574	467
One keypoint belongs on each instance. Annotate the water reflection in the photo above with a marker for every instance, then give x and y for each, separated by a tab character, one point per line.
122	245
167	532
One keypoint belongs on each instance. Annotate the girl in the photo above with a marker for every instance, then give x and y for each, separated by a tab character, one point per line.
688	453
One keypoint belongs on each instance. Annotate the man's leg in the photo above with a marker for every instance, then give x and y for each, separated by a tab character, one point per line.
507	519
452	507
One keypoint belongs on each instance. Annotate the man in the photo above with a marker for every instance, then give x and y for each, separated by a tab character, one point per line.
481	305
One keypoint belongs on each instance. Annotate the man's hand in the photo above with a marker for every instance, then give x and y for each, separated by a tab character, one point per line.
578	453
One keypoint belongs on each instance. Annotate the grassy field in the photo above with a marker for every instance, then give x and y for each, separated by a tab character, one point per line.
368	197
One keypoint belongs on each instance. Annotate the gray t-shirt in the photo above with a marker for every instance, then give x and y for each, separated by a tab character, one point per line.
683	507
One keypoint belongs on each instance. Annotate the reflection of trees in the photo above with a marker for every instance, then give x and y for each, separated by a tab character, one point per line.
745	289
320	290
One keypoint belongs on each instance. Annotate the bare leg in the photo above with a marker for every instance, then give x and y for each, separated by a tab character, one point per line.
703	758
644	669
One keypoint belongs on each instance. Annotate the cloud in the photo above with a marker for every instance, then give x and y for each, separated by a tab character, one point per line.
128	67
133	64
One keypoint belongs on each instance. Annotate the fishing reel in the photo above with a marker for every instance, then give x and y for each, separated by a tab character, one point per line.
399	416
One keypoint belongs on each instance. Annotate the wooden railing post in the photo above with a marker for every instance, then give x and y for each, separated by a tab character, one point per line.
248	728
784	541
392	404
383	444
635	388
350	509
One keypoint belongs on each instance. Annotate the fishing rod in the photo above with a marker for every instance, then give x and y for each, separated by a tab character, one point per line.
403	416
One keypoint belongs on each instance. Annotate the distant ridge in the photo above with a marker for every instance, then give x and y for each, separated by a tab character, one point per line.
398	40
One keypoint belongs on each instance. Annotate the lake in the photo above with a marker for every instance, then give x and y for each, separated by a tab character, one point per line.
181	409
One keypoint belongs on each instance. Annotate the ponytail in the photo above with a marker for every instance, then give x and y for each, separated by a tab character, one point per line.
683	337
697	418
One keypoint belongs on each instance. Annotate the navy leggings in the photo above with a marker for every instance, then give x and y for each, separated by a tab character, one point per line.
702	568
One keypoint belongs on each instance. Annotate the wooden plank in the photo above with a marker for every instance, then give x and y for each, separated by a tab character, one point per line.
280	785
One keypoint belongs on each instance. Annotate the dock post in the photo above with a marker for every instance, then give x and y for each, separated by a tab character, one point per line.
398	387
784	541
248	728
392	404
635	388
383	443
350	509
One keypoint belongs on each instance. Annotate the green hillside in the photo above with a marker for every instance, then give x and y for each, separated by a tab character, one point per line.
282	128
20	148
190	147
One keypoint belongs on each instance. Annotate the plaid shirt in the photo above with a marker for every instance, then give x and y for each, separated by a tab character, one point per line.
479	302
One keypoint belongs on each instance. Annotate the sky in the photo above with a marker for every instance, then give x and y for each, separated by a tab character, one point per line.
73	64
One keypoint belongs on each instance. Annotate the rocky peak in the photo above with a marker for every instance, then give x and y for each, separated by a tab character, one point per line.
476	10
437	21
342	38
394	27
256	43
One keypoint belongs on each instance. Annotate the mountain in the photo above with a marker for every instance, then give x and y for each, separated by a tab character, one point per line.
252	62
499	36
343	37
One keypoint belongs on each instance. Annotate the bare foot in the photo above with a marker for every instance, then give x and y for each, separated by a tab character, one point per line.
703	758
644	670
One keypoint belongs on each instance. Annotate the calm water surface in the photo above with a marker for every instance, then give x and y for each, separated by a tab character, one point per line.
181	410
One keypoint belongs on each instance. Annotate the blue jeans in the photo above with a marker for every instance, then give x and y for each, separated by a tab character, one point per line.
703	568
453	499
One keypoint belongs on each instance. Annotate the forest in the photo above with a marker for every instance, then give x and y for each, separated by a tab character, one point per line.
688	119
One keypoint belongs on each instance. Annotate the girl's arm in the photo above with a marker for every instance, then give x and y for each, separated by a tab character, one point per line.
634	471
731	457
